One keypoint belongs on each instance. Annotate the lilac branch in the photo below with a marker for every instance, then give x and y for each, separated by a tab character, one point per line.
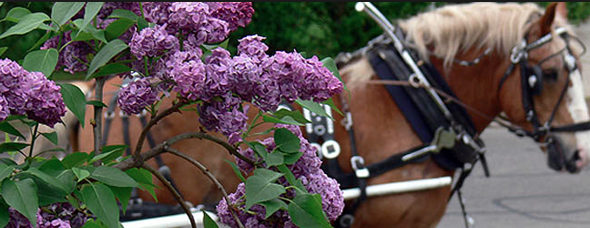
209	175
174	192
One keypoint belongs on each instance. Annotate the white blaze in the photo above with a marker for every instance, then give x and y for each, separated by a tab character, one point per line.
578	109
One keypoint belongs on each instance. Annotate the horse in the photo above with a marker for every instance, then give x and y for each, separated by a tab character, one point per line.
440	37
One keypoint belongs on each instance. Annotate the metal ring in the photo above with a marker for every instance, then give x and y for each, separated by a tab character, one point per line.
335	149
414	81
318	149
319	130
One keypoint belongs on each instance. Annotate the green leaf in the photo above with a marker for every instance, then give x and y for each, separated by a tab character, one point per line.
3	49
113	68
5	171
313	107
75	100
141	24
88	32
121	13
81	174
75	159
43	61
260	187
96	103
117	28
16	13
273	159
123	195
291	158
330	103
64	11
331	65
5	126
306	211
109	153
50	188
273	206
22	196
51	136
105	54
291	178
26	24
113	176
144	178
101	201
41	41
4	215
90	223
208	222
296	115
236	170
284	120
286	141
12	146
91	10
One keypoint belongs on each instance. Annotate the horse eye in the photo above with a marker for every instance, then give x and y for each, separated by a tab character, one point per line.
550	74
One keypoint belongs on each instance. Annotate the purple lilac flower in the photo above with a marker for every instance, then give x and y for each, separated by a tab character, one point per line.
253	46
188	16
4	111
217	66
244	76
188	72
287	69
223	115
11	88
71	55
234	13
58	215
136	95
157	12
44	101
319	83
152	42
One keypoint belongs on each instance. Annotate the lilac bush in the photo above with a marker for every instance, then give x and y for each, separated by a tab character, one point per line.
180	52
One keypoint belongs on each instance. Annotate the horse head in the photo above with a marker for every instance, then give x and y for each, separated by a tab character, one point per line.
546	71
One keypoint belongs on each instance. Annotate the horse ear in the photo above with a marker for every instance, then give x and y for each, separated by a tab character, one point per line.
548	18
561	10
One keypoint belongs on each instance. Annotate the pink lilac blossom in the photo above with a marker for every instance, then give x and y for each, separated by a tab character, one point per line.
307	169
136	95
253	47
44	102
152	42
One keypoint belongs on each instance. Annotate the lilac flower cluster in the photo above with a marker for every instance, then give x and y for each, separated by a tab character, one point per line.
30	93
236	14
137	95
307	169
73	56
152	42
58	215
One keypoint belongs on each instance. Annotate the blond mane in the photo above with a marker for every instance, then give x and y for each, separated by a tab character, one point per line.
454	28
448	31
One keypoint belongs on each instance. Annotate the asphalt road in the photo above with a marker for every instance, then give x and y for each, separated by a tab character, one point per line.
522	190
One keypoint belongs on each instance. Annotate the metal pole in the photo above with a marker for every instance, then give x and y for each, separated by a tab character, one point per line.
399	187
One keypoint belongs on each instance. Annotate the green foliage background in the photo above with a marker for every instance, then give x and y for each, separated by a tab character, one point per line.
320	28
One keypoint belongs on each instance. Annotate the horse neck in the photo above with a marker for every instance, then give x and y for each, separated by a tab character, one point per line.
476	85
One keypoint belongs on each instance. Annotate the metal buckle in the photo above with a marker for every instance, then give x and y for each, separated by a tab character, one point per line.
335	149
347	121
358	165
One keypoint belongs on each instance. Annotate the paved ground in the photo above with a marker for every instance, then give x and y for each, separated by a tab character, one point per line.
522	190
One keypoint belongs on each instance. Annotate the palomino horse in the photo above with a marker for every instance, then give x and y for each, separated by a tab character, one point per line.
440	37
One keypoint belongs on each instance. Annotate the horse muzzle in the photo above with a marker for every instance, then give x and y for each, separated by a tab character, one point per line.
558	160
